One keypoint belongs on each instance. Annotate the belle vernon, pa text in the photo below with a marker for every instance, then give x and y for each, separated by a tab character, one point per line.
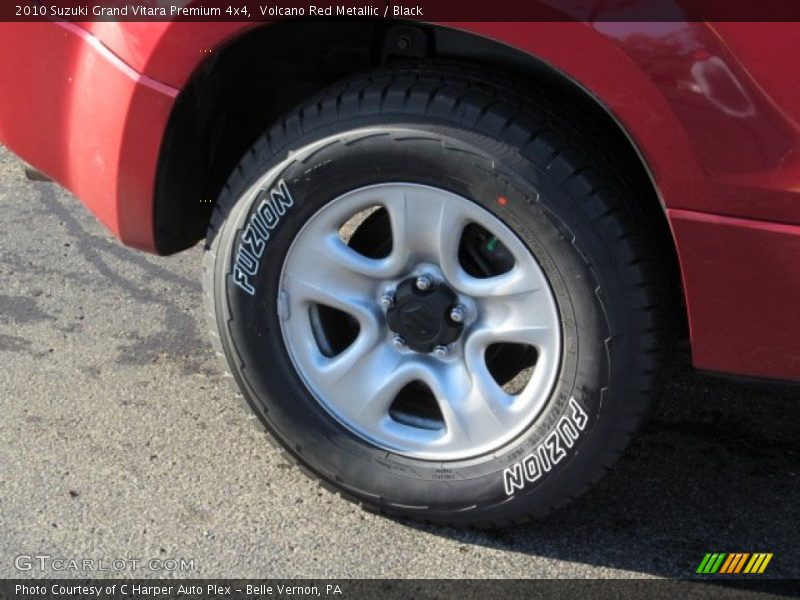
212	589
241	10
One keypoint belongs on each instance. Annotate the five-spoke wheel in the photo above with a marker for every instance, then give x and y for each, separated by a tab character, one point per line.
400	339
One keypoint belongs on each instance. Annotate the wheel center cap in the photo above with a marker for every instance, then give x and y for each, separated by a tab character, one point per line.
422	317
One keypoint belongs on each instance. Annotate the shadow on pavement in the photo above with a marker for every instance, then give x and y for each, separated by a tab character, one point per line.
714	470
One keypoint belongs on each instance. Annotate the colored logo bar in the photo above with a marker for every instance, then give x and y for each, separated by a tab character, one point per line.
733	563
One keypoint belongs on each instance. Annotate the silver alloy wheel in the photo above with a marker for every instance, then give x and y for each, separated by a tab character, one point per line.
359	384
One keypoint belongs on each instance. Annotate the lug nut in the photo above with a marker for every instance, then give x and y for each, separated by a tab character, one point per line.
399	343
458	314
424	282
387	300
441	351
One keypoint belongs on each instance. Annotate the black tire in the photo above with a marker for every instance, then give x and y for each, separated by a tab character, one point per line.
475	135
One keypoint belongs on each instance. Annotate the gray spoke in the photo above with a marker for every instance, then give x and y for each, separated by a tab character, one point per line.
326	271
515	282
426	226
363	382
474	407
517	318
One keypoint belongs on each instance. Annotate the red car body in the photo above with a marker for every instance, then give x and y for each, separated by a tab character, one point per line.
711	108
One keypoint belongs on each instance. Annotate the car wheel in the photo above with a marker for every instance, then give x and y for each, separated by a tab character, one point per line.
431	292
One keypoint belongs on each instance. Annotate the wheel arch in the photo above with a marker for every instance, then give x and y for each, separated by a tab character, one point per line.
249	79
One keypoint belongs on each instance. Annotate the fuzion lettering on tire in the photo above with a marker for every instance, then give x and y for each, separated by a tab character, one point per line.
254	237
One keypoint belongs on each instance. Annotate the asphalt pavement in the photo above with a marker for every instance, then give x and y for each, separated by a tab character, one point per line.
119	438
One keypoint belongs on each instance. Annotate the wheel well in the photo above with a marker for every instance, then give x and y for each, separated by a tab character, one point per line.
250	82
